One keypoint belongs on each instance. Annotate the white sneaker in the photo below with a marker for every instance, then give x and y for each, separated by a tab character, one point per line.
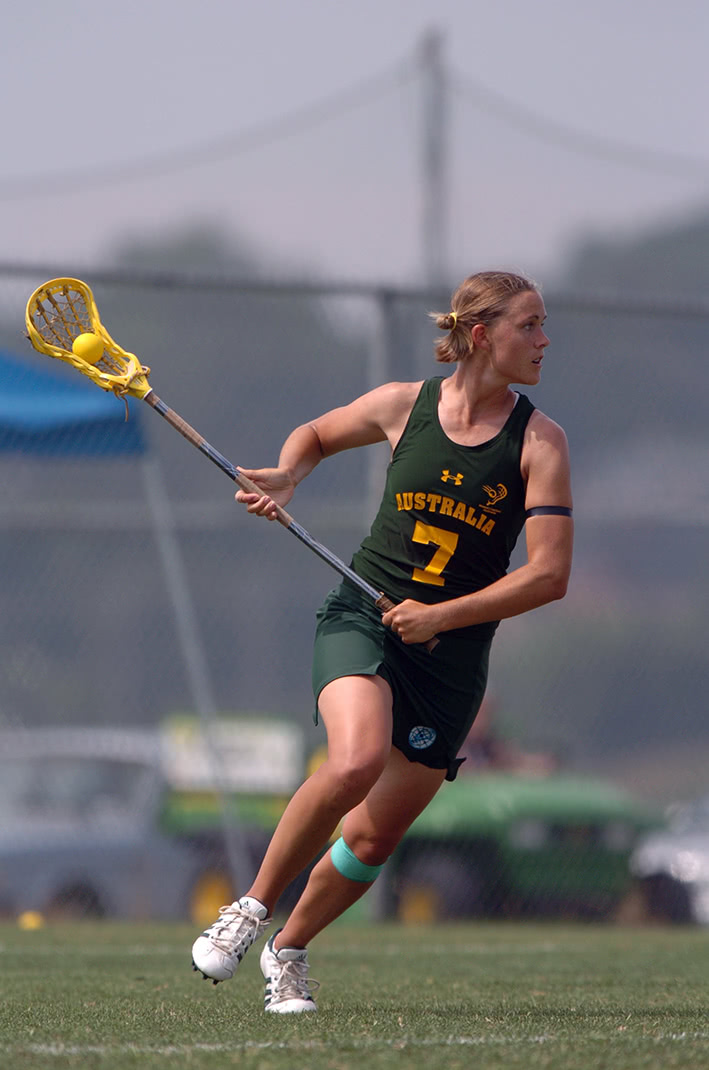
221	947
289	990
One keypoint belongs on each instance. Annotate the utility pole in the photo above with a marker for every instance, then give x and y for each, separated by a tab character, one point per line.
434	193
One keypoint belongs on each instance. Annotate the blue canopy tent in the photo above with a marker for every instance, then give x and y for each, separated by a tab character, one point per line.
45	412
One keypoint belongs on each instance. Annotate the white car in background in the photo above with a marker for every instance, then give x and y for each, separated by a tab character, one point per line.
671	866
126	823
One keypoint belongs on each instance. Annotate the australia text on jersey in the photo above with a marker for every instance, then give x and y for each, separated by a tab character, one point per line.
424	501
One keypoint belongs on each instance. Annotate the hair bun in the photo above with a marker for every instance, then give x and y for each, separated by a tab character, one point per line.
446	321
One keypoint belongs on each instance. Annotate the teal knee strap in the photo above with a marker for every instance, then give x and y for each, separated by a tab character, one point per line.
346	862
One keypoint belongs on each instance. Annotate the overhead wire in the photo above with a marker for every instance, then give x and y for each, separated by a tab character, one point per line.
226	146
291	124
571	138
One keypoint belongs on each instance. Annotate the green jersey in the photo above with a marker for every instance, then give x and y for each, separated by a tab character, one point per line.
450	514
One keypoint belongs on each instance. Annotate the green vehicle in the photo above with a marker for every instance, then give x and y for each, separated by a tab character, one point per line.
490	844
506	844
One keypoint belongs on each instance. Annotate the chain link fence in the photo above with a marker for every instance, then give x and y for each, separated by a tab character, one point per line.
139	600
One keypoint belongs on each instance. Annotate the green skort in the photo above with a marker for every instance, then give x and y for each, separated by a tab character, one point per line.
436	695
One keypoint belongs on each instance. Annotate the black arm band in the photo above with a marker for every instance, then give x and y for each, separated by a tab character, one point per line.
549	510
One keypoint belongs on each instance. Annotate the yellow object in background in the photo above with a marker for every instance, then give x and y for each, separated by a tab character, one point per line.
31	919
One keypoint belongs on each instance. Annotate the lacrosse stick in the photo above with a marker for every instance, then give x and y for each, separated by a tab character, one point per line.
63	310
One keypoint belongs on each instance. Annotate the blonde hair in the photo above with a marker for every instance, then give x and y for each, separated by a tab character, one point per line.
481	298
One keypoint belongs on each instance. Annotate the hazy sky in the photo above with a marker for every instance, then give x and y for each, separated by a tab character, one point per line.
96	94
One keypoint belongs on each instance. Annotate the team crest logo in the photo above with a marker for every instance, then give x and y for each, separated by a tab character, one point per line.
494	495
421	736
446	475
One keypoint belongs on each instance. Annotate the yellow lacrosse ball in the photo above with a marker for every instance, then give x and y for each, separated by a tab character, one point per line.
89	347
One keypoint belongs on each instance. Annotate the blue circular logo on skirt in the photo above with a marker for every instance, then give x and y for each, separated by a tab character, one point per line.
421	736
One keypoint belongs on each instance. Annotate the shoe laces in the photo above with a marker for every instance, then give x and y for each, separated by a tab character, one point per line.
292	981
236	929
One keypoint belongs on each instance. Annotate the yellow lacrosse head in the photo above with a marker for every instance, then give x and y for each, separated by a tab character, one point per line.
61	310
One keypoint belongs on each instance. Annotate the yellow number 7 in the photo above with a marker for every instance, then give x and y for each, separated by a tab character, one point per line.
446	541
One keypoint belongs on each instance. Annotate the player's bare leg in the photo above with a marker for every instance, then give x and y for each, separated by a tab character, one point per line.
356	712
371	830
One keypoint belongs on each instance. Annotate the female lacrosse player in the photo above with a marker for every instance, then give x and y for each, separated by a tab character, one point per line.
472	461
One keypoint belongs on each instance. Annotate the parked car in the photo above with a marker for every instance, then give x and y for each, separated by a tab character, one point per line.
127	823
671	867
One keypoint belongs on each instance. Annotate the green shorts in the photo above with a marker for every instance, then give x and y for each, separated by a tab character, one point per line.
436	695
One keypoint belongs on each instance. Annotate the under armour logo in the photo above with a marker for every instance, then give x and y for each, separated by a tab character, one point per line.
457	478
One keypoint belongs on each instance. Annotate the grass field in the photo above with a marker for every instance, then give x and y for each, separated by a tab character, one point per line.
111	996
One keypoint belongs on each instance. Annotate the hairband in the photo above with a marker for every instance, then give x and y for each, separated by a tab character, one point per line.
454	317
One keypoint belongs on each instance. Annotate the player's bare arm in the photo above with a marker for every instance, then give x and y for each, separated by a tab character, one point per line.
377	416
